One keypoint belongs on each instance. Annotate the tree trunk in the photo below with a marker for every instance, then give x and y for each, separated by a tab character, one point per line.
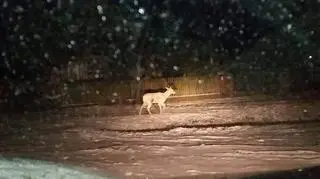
139	79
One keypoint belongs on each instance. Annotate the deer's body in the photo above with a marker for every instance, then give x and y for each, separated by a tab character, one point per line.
159	98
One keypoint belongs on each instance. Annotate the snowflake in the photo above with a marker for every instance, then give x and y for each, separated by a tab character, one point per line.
117	28
141	11
164	15
5	4
46	55
100	9
176	68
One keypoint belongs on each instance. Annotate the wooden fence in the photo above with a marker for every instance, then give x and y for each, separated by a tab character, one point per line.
185	86
101	92
193	85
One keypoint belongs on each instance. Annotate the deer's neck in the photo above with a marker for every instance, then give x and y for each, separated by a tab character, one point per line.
166	94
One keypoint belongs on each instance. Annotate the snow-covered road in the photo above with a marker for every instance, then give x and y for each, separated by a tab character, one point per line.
192	151
188	139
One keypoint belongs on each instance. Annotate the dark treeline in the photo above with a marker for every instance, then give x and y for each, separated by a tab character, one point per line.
267	46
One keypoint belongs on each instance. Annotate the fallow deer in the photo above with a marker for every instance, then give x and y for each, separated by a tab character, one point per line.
159	98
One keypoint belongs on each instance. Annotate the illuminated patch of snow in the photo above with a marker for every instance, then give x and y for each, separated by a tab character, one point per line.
25	168
129	174
284	154
193	171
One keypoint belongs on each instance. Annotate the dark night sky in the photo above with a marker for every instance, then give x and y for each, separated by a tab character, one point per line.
203	20
240	26
38	39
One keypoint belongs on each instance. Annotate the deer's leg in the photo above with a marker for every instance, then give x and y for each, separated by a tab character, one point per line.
148	108
163	106
160	107
142	106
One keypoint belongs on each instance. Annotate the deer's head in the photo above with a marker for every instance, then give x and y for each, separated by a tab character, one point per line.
170	90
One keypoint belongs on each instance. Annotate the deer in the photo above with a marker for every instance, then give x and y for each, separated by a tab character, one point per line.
159	98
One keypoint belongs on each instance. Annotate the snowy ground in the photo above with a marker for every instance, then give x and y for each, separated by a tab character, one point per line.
190	138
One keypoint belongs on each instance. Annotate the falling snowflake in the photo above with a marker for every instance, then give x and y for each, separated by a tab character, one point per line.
117	28
100	9
164	15
176	68
166	40
5	4
46	55
141	11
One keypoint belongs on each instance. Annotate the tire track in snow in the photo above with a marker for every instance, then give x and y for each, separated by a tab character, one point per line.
202	126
